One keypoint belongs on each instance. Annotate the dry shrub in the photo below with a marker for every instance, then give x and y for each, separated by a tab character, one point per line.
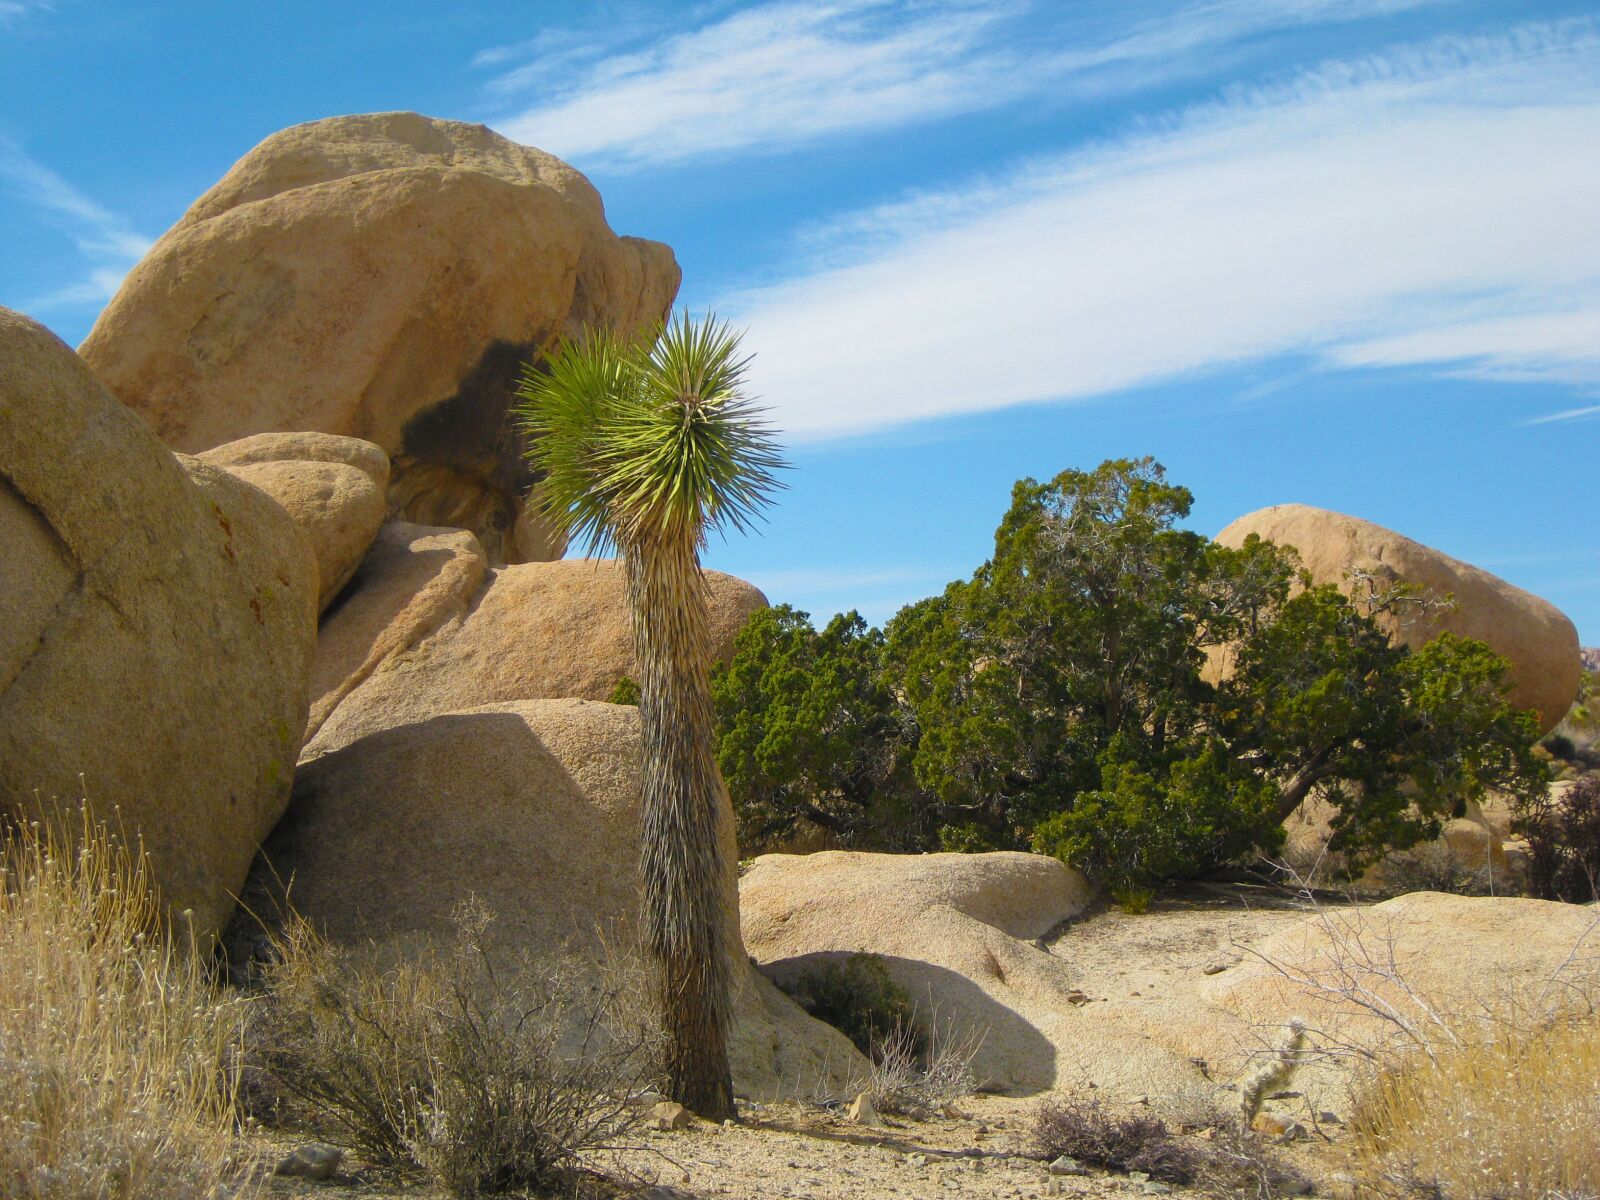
1235	1162
1499	1102
1513	1115
114	1047
918	1073
1564	844
487	1077
1097	1137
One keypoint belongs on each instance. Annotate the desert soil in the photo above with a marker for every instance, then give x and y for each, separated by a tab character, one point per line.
804	1152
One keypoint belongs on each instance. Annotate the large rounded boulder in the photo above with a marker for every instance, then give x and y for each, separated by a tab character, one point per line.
532	809
536	631
332	486
383	277
159	620
1531	634
958	932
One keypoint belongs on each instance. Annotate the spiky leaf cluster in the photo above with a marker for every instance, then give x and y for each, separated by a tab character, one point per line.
648	440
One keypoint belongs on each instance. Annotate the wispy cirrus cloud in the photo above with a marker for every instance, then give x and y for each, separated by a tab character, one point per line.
1430	205
106	242
1587	412
10	10
776	76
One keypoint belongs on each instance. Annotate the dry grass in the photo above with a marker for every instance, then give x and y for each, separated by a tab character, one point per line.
1498	1102
1510	1116
114	1048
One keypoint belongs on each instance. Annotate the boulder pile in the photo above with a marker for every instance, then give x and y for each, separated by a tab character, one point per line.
381	277
160	620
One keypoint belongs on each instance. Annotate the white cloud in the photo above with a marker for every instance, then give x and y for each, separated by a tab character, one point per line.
1436	204
1587	412
12	9
102	238
780	75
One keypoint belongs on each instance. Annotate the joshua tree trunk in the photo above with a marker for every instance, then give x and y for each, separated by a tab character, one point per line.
685	872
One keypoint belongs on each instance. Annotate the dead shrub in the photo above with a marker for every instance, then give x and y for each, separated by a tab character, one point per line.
1564	845
1236	1161
917	1073
1097	1137
486	1077
115	1048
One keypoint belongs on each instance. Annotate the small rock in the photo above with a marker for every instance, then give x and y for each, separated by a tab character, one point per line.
1329	1118
1216	966
669	1114
916	1160
1077	997
1273	1125
1152	1188
1066	1165
314	1160
1139	1176
864	1112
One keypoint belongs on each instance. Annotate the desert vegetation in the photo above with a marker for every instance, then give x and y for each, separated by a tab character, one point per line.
119	1058
649	445
1122	693
485	1078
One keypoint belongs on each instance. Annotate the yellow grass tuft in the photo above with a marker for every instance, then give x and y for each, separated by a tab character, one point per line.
115	1052
1512	1115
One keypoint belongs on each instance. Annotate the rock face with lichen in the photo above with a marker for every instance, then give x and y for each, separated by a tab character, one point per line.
159	617
381	277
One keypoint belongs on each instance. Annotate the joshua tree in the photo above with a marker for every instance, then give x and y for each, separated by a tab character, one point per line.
648	446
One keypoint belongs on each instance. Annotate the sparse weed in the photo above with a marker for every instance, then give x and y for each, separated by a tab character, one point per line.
920	1073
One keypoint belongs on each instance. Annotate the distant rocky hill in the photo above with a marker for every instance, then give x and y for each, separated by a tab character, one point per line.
1591	657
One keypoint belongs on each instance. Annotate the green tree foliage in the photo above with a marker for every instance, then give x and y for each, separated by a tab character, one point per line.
810	735
1121	692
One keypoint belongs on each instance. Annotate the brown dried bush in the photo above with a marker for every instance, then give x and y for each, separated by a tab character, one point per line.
486	1077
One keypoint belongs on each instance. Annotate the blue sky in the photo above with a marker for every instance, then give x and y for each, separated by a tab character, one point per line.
1342	252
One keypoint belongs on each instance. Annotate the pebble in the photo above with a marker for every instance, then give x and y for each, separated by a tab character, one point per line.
1066	1165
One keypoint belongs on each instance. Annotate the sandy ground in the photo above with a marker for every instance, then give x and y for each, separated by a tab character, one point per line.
1139	968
